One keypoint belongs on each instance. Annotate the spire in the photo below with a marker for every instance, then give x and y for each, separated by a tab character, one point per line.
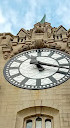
43	19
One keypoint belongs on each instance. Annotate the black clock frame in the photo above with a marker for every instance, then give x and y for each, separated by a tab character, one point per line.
17	84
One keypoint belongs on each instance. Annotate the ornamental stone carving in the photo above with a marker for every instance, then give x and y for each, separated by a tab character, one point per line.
41	36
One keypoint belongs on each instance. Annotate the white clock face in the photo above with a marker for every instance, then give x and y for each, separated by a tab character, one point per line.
21	73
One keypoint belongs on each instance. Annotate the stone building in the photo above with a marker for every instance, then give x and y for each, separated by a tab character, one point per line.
34	108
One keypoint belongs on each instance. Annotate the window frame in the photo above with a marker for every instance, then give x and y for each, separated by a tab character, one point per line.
34	117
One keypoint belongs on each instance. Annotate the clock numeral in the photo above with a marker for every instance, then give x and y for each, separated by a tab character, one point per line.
28	56
19	61
14	68
60	58
24	81
51	53
52	79
15	75
38	82
38	52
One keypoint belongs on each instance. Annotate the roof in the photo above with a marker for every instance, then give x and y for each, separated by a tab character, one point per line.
60	27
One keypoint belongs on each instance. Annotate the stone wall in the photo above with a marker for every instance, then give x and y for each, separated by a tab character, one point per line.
17	103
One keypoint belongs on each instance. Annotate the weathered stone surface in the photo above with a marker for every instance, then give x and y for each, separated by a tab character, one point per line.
16	104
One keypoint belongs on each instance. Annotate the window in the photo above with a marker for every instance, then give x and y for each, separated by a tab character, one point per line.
4	37
61	36
41	121
47	123
29	124
38	123
39	115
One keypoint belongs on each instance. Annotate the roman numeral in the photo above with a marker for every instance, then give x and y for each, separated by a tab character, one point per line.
28	56
19	61
51	53
38	82
24	81
38	52
52	79
60	58
15	75
13	68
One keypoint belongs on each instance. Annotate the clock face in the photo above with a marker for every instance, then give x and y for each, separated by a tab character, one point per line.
38	69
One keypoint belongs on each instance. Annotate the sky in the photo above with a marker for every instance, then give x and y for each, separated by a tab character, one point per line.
17	14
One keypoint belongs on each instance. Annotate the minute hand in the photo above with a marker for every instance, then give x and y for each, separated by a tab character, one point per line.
42	63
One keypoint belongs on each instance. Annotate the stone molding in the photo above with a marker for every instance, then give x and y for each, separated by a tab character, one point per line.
37	110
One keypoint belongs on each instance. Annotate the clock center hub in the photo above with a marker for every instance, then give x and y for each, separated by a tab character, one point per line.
31	71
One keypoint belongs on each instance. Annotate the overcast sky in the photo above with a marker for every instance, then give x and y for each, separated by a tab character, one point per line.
17	14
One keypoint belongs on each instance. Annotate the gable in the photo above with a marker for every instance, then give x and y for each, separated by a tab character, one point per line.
22	33
61	29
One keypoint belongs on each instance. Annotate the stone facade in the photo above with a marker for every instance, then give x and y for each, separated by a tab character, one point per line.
16	104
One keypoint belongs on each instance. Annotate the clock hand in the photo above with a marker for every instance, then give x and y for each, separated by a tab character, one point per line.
34	61
40	68
47	64
62	72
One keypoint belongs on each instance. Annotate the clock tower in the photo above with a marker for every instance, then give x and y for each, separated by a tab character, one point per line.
35	77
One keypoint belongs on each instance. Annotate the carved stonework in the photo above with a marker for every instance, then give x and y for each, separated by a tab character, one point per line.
38	43
68	41
41	36
48	34
39	30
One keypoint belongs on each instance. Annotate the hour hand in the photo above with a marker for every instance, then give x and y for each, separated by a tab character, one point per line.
34	61
40	68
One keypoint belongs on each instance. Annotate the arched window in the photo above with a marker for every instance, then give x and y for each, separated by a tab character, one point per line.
48	123
38	122
29	124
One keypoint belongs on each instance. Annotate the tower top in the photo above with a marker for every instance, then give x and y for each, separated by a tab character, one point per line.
43	19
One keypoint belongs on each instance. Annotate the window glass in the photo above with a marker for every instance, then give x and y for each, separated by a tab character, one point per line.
29	124
38	123
48	123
